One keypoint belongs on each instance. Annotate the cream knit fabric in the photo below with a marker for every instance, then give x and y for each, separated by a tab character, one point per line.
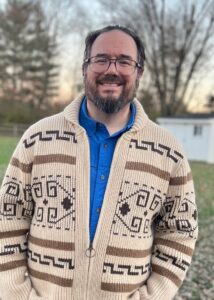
147	227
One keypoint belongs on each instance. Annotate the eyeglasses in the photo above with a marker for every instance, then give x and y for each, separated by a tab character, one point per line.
124	66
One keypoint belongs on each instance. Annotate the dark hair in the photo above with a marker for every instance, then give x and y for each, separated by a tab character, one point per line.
91	37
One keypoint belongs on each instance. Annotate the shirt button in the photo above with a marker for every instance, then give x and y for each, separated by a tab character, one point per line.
102	177
98	210
105	145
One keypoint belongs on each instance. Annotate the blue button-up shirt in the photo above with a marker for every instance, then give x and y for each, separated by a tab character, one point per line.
102	146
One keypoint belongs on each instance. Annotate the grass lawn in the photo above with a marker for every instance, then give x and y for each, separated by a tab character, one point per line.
203	175
7	146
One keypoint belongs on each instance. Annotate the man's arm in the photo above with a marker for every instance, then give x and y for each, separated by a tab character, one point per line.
16	209
175	234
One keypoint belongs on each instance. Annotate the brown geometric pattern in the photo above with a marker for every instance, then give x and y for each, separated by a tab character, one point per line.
48	260
17	201
175	261
136	204
127	270
178	218
49	136
158	148
13	248
46	191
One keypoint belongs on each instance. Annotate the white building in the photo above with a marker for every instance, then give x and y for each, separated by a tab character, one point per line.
195	132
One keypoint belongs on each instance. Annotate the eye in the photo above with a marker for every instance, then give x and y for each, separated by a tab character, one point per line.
124	62
100	60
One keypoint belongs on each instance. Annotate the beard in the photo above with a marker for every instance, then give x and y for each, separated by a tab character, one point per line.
110	104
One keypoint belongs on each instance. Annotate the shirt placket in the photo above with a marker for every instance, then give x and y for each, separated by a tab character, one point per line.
103	163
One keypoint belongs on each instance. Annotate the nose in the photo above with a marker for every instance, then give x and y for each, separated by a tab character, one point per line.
112	69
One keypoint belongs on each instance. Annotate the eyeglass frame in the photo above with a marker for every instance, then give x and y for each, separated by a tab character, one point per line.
113	60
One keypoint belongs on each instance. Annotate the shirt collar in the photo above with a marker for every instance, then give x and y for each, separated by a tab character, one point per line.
90	124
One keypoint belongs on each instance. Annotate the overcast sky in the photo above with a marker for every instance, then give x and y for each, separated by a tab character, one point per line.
72	53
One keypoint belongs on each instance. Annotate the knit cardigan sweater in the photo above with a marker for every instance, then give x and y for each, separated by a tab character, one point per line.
147	227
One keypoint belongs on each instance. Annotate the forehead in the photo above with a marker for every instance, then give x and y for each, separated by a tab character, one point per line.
114	43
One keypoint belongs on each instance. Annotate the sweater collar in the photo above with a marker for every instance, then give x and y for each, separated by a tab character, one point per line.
71	113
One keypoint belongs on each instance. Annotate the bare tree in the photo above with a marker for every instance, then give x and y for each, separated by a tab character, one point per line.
210	103
70	20
28	71
179	41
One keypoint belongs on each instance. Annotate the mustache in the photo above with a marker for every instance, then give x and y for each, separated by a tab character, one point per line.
110	79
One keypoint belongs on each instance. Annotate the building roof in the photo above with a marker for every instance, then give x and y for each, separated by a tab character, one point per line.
192	116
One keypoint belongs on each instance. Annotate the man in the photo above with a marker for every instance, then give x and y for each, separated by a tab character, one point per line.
98	201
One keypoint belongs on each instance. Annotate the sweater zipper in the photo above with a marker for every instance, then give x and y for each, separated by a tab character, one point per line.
90	252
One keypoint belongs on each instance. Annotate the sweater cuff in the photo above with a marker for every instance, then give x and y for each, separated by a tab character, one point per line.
15	285
158	287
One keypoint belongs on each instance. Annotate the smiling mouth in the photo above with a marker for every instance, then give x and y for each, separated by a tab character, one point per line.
111	84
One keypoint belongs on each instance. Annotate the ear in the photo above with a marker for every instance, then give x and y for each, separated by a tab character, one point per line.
83	70
140	73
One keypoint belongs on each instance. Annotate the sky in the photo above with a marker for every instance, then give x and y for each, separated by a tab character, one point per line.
2	2
72	47
203	87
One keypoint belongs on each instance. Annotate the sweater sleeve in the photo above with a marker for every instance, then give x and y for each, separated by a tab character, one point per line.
175	234
16	209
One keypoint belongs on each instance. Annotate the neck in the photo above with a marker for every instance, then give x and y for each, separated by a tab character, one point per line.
113	122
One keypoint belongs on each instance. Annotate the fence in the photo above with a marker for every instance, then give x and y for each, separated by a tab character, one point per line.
13	129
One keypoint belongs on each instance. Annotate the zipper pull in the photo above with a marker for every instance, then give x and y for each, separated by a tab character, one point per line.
90	251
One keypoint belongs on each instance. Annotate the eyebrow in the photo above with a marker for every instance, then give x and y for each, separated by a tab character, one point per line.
120	56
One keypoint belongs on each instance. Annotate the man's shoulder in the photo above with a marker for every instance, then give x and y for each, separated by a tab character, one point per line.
157	136
53	128
155	127
47	123
60	121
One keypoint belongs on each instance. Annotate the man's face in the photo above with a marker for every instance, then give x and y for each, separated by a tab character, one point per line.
111	90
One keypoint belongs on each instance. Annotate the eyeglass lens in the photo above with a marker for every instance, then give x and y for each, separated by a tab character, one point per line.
101	65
